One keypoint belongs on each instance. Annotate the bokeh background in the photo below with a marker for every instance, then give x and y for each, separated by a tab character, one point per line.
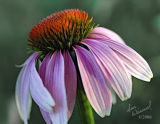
136	21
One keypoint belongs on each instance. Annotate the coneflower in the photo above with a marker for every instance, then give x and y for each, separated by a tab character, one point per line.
72	55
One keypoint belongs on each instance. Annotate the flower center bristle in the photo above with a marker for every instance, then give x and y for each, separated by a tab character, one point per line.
60	31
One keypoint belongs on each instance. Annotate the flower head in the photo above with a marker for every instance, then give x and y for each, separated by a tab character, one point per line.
60	31
67	43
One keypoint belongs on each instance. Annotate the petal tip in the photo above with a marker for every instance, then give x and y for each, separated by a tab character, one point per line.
126	97
148	77
151	76
102	114
108	113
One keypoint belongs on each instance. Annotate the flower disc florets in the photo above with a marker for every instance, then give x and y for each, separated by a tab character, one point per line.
60	31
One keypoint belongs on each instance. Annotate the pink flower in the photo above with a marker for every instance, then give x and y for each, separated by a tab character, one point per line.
104	61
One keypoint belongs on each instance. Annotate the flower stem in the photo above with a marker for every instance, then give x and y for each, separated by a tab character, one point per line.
84	107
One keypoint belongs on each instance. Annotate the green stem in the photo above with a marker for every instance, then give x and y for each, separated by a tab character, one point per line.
84	107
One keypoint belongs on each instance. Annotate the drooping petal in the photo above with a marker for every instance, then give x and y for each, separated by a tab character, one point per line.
23	98
106	33
24	110
42	73
93	82
46	116
39	93
135	64
55	83
70	82
112	67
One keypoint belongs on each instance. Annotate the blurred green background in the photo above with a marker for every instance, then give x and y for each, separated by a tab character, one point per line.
136	21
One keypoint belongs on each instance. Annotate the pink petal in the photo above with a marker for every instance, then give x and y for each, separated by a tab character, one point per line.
135	64
94	82
56	85
39	93
113	68
106	33
43	66
46	116
23	98
70	82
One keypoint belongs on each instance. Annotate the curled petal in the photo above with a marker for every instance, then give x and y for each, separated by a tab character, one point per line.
93	82
70	82
23	98
113	68
39	93
56	85
29	81
106	33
